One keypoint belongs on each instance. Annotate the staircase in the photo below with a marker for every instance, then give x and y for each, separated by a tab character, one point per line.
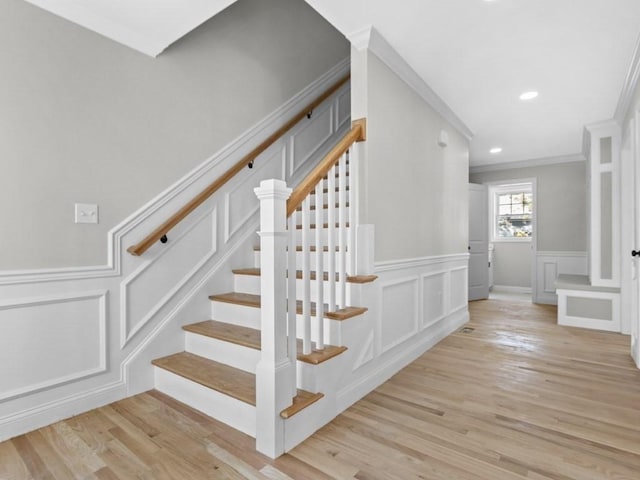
217	371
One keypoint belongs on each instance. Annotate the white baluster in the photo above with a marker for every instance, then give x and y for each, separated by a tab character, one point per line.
292	345
353	210
331	239
306	276
342	232
319	268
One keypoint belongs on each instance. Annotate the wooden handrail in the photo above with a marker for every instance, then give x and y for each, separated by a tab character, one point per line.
142	246
358	133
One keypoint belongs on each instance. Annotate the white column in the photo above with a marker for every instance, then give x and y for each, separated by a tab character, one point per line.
275	371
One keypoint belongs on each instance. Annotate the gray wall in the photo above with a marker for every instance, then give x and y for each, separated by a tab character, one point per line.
413	191
512	264
561	203
84	119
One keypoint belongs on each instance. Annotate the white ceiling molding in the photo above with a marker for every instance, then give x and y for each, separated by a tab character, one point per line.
629	88
148	26
371	39
536	162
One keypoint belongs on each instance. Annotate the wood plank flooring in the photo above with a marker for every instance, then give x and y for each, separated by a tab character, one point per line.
518	397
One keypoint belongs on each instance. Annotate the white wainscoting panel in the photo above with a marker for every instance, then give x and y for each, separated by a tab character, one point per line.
458	297
343	110
51	340
155	283
434	296
552	264
400	309
308	138
414	303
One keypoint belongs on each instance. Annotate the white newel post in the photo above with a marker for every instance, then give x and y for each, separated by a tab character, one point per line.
275	371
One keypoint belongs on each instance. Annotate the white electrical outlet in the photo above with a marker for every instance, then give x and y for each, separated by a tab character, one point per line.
86	213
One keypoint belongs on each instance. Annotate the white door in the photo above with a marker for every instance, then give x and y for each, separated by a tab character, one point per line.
634	148
478	242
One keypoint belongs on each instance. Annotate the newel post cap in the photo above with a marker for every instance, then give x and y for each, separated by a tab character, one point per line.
272	188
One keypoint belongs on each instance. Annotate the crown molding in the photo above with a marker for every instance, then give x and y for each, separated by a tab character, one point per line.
369	38
630	86
536	162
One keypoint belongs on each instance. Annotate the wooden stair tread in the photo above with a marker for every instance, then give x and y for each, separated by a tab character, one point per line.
250	337
301	401
244	336
250	300
350	279
231	381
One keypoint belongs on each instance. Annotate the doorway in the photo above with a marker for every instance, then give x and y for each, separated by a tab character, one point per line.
510	226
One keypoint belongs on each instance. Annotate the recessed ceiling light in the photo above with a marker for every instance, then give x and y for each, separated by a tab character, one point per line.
529	95
495	150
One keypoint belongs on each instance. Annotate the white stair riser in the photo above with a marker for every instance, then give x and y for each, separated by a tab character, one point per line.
224	408
235	314
312	260
237	356
204	345
250	317
251	284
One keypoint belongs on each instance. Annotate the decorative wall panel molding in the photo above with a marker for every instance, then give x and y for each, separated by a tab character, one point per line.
552	264
399	309
155	283
51	340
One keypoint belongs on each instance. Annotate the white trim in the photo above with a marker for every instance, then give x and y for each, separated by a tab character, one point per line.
545	253
564	319
238	147
101	296
535	162
597	131
630	86
370	38
45	414
391	265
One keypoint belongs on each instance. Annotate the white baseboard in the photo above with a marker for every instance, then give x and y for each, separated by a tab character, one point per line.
510	289
46	414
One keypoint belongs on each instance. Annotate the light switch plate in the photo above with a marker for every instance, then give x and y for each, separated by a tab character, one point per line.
86	213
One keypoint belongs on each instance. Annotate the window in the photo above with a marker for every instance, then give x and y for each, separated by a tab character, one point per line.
512	216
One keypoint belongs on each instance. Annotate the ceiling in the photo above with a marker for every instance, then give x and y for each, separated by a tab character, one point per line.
477	55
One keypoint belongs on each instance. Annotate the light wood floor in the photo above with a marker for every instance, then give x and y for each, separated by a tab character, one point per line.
516	398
